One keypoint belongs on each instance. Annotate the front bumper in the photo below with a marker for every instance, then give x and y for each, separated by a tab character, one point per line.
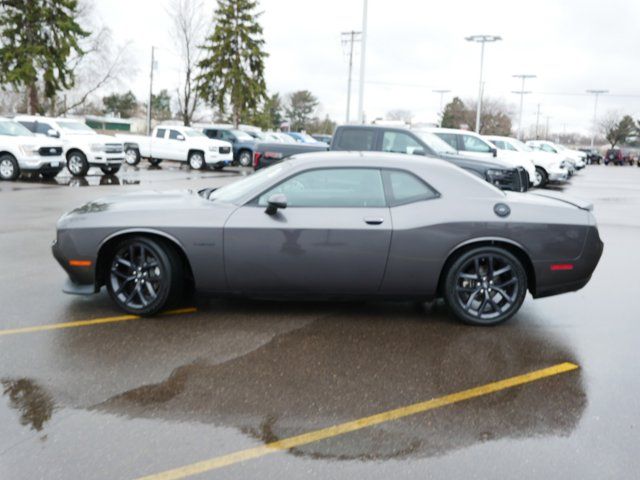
101	159
81	279
558	174
218	159
38	163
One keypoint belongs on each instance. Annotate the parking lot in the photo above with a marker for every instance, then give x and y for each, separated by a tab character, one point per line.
226	389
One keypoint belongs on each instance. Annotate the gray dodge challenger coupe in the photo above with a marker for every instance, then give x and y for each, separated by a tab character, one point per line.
334	225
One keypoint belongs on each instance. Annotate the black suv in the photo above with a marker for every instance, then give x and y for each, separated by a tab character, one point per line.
380	138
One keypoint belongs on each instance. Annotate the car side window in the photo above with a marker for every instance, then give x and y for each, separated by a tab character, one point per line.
174	134
31	126
357	139
500	144
406	188
510	147
160	133
473	144
400	142
547	148
42	128
450	138
331	187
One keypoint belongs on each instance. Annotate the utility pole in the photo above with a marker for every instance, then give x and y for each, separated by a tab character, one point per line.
363	55
596	93
522	93
350	38
546	131
481	39
441	92
153	49
537	122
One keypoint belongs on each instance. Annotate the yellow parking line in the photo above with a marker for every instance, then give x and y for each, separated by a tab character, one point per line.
341	429
84	323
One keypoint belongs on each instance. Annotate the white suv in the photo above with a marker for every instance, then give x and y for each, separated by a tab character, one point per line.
470	144
550	167
576	157
83	146
22	152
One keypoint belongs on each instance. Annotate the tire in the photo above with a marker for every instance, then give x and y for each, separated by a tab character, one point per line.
244	158
474	273
110	170
49	174
144	276
132	156
77	163
542	177
9	168
196	161
155	162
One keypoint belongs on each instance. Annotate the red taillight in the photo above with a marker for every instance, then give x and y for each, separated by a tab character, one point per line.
561	266
256	159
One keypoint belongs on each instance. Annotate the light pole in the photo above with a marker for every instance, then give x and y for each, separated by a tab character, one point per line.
153	62
350	38
596	93
481	39
522	93
363	54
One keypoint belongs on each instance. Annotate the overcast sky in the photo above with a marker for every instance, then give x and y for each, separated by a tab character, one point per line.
415	46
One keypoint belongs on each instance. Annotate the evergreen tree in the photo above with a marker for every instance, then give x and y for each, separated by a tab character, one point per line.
232	72
37	38
161	105
124	105
301	106
269	114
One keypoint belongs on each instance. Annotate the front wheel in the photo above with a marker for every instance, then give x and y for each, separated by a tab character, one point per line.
244	159
541	177
9	168
155	162
196	160
144	276
485	286
77	163
110	170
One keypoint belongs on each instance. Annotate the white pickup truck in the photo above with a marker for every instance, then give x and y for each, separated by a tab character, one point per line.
83	146
22	152
180	144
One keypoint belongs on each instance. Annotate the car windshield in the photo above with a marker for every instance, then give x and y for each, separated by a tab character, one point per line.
233	192
306	138
13	129
521	147
76	127
190	132
435	143
284	138
240	135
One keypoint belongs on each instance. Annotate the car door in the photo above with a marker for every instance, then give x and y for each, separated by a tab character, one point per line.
158	144
176	146
332	238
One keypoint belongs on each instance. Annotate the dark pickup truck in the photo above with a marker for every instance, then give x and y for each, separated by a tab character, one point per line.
380	138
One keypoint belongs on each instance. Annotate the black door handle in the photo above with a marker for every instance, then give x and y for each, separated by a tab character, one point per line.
373	220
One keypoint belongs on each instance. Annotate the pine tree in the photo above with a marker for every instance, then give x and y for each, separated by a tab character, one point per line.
232	72
37	38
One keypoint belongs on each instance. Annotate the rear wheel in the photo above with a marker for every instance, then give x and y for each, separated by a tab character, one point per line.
541	177
77	163
485	286
110	170
132	156
144	276
9	168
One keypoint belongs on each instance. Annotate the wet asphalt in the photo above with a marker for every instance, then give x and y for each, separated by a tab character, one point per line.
134	398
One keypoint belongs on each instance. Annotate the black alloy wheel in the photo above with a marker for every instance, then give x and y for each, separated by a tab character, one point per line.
144	276
485	286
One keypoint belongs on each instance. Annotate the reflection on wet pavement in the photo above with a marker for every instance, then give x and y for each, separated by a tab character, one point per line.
34	405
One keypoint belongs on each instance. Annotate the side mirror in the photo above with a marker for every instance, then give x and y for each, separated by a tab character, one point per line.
180	137
275	202
494	151
419	151
53	133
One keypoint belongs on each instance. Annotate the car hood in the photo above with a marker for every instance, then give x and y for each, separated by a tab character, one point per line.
38	141
90	138
576	202
147	208
476	163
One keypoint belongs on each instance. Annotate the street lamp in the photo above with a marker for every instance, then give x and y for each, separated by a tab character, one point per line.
481	39
441	92
522	93
596	93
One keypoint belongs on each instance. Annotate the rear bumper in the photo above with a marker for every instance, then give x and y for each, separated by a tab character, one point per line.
550	281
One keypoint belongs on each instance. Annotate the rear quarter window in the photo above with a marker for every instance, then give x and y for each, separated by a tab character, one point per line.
405	187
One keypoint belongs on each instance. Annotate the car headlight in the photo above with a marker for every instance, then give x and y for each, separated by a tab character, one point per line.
97	147
28	150
496	176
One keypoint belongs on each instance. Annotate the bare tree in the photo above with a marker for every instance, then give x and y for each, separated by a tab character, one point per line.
188	31
399	114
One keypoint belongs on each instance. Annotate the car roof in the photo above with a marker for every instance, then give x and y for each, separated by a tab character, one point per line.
449	130
368	159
